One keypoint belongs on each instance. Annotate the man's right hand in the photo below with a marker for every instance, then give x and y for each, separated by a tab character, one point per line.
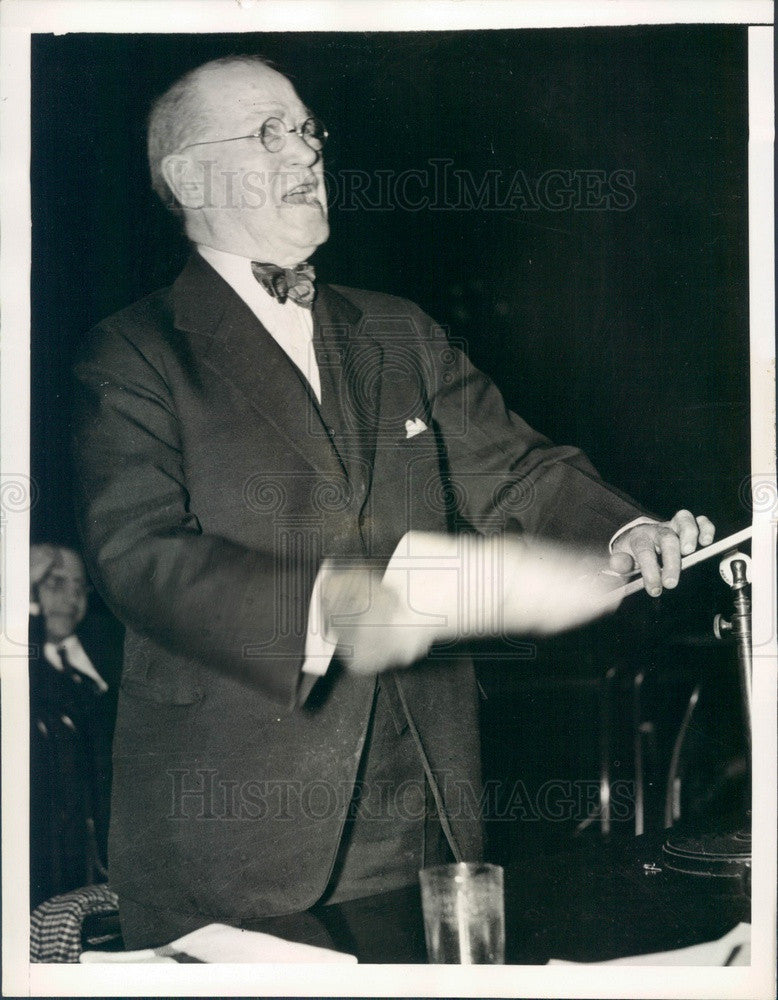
443	588
375	628
42	560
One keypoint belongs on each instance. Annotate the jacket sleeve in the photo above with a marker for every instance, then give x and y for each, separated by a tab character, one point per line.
195	595
502	474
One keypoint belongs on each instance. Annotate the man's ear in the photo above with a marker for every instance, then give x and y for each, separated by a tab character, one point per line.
186	179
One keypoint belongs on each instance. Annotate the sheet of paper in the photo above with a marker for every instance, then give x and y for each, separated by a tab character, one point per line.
220	943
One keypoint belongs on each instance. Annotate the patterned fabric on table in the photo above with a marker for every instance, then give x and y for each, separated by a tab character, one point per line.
55	926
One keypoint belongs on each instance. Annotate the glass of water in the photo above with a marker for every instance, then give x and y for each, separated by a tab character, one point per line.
464	914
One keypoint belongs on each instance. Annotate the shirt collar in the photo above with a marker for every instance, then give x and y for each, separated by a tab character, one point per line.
77	657
228	265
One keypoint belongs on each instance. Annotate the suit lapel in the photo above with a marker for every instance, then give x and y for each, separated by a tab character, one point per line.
240	349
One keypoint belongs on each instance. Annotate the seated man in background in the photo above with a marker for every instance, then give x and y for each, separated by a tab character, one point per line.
72	709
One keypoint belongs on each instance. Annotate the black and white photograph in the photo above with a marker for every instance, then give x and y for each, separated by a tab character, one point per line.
387	472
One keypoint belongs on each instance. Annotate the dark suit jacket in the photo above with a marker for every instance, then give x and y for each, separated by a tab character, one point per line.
209	493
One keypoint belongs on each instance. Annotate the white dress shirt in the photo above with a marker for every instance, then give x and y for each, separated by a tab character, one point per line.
290	325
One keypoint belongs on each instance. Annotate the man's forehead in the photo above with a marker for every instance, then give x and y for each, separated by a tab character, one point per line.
241	88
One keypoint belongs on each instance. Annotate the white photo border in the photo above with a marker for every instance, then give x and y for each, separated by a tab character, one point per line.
22	18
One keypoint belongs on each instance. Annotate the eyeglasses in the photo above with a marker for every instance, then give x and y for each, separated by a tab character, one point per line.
273	132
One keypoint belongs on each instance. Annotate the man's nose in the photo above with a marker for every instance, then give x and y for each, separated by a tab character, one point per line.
297	152
74	594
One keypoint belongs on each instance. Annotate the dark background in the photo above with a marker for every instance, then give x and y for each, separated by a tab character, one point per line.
624	332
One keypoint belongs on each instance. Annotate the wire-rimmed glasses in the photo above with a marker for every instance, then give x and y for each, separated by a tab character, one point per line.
272	134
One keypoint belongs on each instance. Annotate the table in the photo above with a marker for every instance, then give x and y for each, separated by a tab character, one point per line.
594	902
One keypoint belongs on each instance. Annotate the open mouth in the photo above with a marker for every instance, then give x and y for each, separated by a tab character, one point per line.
303	194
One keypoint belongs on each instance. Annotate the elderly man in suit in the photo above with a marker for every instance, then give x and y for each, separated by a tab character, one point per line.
254	451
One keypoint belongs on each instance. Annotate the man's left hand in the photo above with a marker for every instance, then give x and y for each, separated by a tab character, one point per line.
656	549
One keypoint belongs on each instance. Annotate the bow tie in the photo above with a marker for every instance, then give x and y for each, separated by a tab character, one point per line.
295	283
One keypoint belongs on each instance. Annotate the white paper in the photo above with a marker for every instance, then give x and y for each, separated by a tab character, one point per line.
220	943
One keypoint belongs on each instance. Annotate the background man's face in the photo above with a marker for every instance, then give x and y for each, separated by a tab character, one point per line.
62	595
267	206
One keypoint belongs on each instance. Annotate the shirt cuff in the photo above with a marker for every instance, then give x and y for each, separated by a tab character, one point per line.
632	524
319	650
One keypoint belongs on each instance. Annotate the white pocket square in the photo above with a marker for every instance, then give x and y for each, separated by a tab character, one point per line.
414	427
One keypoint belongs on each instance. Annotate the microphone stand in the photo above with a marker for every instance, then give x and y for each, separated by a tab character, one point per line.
724	854
740	629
